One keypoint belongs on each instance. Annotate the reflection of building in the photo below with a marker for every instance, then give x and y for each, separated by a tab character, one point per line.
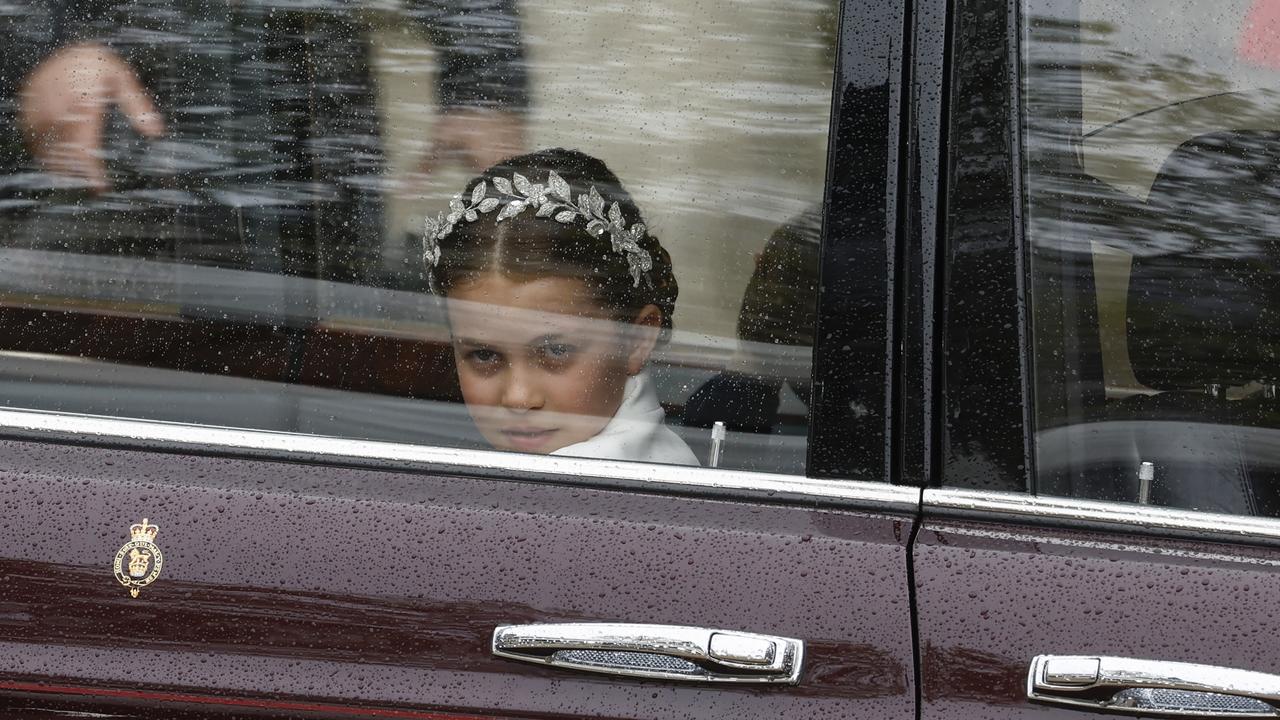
715	116
1133	93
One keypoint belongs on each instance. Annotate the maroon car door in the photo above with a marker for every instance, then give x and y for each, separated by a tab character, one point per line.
1103	537
298	588
239	473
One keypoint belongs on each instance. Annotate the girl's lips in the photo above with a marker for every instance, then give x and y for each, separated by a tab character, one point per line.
528	438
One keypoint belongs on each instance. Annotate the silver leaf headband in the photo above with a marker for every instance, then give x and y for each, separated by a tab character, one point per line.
553	200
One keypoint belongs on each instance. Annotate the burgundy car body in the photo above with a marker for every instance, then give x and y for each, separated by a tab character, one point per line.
285	591
322	577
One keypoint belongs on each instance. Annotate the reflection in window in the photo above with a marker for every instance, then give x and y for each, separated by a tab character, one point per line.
1153	148
221	220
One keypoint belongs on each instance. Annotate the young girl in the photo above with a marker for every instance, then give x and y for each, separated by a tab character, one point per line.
557	294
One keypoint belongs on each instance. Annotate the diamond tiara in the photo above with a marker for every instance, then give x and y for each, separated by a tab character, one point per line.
552	200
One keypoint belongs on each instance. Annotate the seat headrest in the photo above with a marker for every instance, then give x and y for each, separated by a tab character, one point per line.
1204	290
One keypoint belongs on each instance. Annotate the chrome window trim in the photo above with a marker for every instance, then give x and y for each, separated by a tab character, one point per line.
1112	515
46	426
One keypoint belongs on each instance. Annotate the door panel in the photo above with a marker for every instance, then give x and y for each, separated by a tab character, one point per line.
362	589
992	596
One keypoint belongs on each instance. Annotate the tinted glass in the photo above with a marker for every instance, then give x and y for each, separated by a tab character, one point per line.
213	212
1152	144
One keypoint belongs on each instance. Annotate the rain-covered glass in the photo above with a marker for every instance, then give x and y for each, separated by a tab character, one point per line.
1152	160
216	212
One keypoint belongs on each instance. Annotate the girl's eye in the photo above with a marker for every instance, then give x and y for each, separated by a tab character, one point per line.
556	356
482	356
559	350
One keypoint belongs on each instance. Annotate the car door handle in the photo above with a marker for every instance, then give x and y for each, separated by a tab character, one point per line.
667	652
1152	687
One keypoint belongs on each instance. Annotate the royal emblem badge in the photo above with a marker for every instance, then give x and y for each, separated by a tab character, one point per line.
138	562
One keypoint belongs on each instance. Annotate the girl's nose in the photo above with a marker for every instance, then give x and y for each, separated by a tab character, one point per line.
521	393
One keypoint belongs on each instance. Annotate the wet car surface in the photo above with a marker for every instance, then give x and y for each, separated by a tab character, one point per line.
974	346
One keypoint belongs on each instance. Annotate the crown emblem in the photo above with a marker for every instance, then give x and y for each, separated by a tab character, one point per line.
138	561
143	531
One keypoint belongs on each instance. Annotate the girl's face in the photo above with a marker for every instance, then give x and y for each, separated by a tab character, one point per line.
540	364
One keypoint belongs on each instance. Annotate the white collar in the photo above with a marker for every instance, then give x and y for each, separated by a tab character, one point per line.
636	431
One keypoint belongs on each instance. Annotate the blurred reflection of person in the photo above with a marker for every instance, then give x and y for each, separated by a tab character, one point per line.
779	308
241	133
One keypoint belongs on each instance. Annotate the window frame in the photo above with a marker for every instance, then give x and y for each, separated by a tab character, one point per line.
182	438
985	424
869	55
864	200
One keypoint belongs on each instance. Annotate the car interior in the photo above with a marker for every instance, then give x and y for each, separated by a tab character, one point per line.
1157	276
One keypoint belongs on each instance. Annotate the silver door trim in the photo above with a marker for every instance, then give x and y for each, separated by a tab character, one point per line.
261	444
1059	510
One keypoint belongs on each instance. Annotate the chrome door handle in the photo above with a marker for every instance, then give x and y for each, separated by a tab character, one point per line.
667	652
1152	687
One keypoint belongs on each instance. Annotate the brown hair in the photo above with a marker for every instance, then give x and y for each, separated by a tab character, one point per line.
526	245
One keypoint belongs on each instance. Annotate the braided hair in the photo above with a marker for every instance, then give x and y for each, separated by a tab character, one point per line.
530	246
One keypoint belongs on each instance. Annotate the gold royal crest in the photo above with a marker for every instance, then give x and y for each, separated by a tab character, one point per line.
138	561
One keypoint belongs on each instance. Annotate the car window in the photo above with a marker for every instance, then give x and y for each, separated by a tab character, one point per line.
536	227
1151	146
